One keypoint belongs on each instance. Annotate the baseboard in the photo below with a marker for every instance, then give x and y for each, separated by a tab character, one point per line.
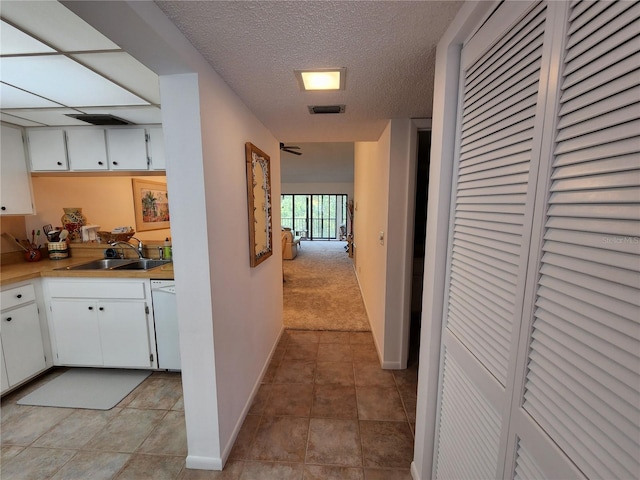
396	365
414	471
195	462
254	391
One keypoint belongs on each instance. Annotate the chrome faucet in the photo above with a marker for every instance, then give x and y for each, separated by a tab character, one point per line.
139	249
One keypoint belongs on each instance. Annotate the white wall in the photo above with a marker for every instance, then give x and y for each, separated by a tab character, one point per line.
230	314
314	187
371	192
399	241
105	201
385	197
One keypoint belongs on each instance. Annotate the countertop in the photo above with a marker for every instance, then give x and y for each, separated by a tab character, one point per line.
18	272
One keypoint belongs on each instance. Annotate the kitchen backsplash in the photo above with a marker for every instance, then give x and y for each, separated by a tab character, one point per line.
105	201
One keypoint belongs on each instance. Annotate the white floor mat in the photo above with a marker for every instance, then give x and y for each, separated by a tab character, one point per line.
92	388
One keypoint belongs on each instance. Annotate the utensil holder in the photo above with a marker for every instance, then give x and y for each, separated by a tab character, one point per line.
58	250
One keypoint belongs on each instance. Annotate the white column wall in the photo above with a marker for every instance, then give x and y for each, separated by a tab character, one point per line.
399	241
230	314
384	194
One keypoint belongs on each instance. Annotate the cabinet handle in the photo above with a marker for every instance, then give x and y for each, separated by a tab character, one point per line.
3	208
115	163
8	319
101	309
19	295
100	163
90	308
59	163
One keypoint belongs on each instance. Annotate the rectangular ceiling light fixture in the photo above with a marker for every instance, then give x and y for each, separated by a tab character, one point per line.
321	79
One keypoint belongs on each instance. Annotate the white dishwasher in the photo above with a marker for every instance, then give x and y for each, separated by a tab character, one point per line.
165	313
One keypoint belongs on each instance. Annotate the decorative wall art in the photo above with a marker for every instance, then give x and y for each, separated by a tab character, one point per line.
151	205
259	203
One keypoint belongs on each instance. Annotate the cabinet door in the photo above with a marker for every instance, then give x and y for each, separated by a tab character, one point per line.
47	150
156	149
76	332
22	343
124	334
4	382
127	149
87	149
15	181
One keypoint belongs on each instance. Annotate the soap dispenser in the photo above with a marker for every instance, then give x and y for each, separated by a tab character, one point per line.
166	250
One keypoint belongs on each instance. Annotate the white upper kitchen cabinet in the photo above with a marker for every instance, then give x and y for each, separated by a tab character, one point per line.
156	149
15	196
87	149
127	149
47	149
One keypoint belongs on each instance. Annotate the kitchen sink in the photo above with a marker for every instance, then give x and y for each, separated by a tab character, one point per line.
118	264
142	264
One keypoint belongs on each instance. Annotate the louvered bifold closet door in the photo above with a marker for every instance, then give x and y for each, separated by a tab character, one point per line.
489	244
582	384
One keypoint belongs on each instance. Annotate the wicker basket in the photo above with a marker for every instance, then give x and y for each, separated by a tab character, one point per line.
108	237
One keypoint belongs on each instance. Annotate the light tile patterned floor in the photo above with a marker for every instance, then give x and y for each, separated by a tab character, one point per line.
325	411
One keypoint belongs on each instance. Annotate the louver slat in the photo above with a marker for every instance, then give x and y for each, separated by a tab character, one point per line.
615	20
526	467
468	424
493	177
582	385
596	105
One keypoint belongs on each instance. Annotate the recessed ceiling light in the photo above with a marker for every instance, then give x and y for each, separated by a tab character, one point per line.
321	79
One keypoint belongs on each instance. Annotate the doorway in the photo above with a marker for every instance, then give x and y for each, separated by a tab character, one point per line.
419	237
314	216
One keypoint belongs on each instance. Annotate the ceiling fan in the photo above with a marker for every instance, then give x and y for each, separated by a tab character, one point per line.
290	149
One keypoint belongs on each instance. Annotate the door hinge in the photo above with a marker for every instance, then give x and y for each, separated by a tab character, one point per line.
146	309
151	358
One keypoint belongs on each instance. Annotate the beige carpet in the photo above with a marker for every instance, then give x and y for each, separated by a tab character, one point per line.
321	291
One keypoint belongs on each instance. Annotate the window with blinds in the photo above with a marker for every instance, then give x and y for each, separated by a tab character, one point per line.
583	383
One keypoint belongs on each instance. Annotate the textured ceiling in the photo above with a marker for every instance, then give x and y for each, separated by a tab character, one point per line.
388	49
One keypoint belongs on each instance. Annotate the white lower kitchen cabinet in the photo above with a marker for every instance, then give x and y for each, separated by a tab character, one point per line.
4	378
76	332
23	349
101	323
120	350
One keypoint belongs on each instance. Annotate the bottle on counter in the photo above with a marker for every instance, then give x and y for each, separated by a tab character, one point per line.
166	250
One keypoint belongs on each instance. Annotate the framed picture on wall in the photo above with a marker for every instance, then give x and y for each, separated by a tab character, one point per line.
151	205
259	203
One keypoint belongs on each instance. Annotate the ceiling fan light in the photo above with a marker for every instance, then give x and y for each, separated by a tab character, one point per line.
322	79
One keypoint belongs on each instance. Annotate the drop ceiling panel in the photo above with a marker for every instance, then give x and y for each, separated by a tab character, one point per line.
5	117
64	81
54	24
14	42
11	97
125	70
51	117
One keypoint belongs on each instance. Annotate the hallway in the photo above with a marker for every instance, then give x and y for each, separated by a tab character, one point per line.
327	411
